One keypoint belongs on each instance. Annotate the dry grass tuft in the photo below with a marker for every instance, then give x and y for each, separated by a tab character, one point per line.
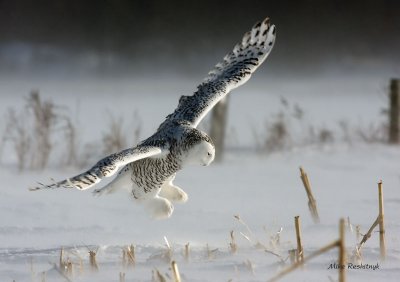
275	239
114	139
17	132
128	256
45	118
241	221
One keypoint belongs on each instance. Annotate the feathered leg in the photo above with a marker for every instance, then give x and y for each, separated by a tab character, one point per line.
158	207
173	192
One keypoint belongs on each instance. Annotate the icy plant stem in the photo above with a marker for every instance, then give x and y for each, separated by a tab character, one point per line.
382	244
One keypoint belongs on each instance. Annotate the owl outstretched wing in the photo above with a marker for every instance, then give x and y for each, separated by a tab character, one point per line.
106	167
235	69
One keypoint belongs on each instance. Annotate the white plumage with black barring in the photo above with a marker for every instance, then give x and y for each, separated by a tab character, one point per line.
147	171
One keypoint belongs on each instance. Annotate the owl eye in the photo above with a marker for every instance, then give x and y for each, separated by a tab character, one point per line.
209	153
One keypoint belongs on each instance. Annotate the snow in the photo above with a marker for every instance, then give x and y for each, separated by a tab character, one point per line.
264	189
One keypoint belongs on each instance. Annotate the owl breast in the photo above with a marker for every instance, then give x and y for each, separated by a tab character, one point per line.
148	175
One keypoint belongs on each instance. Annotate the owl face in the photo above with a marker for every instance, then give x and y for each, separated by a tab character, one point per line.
202	153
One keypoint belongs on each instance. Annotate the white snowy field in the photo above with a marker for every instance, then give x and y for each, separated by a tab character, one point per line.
264	189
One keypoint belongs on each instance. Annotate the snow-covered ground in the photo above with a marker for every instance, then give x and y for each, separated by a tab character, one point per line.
264	189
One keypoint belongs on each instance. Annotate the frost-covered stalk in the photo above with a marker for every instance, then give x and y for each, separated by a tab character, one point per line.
382	244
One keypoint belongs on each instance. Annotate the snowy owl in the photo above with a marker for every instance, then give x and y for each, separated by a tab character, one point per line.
147	171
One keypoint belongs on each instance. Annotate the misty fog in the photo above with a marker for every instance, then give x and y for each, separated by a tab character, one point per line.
128	39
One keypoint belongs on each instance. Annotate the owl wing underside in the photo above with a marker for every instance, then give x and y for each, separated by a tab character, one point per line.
106	167
235	69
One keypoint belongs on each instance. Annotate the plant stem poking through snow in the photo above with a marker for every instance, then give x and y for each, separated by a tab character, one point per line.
92	260
300	255
349	225
312	203
243	223
186	253
369	233
175	272
233	244
378	221
382	244
337	243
